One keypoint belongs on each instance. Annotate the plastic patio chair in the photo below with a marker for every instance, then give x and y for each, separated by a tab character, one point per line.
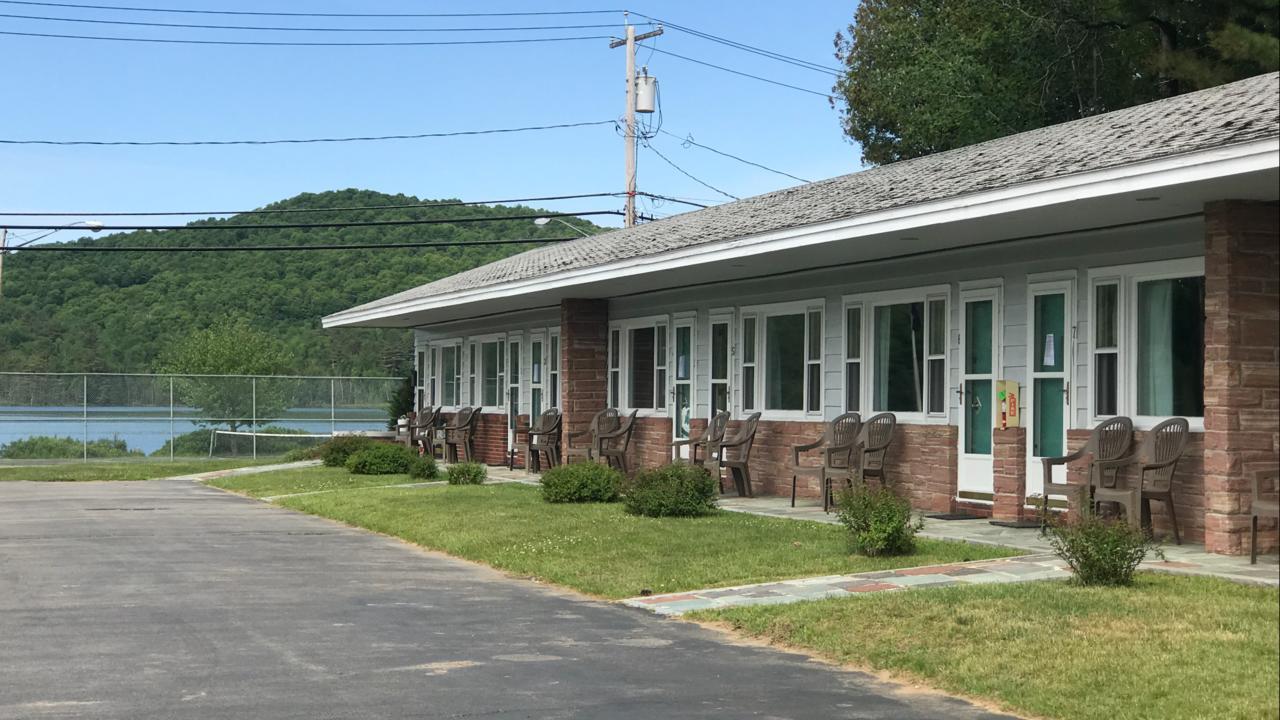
421	429
1156	459
613	446
604	421
735	454
1262	508
712	435
838	442
542	438
1108	442
874	441
461	434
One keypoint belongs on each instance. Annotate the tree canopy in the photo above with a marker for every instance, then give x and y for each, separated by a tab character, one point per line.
120	312
923	76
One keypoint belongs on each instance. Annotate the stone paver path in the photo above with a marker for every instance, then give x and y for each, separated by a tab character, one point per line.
1004	570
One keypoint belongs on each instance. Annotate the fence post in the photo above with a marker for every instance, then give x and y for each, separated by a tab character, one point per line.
253	426
84	396
333	408
172	440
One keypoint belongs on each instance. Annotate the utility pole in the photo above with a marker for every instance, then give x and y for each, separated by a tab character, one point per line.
629	121
4	240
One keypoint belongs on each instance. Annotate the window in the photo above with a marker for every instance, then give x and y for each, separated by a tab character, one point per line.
853	358
420	379
782	358
535	378
450	375
719	365
1147	341
471	374
491	362
638	365
903	335
513	390
553	373
749	363
432	392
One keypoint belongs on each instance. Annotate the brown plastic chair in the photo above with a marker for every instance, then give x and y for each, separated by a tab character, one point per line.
712	435
613	446
1108	442
739	446
1260	509
542	438
1156	460
604	421
421	428
461	434
874	440
838	442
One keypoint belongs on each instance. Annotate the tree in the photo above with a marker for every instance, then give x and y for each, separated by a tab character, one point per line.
923	76
230	346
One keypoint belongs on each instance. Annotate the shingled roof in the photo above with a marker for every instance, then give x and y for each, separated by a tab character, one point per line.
1238	112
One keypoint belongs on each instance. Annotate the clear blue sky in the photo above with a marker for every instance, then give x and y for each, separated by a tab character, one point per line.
88	90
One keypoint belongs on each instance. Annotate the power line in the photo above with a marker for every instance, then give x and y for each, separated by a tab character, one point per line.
686	173
297	226
367	138
199	26
282	248
672	199
745	47
282	43
348	208
688	140
739	72
305	14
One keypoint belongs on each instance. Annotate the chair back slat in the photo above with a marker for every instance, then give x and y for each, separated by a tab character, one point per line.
627	427
548	421
877	436
1112	438
717	426
605	421
745	438
844	431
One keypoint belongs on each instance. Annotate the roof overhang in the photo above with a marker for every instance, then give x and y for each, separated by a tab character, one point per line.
1180	185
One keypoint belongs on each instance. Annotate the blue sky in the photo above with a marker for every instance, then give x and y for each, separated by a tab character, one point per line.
87	90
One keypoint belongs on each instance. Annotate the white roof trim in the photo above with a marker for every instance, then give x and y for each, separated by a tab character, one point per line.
1135	177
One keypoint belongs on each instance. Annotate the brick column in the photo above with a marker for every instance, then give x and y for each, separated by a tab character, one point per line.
1242	349
1009	451
584	358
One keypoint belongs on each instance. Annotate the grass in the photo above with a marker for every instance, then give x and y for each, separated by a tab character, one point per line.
117	470
317	479
594	548
1173	648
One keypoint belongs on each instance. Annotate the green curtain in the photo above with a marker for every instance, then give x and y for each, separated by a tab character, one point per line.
1155	347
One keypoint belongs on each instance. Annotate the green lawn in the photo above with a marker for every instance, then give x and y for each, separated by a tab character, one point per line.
1173	648
598	549
314	479
134	470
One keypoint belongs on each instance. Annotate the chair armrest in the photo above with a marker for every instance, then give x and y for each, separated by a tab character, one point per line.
688	441
732	443
611	435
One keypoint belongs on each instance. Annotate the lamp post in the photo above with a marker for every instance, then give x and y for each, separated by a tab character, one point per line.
542	221
92	225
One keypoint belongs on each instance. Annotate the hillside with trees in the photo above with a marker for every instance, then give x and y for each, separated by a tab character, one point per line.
120	311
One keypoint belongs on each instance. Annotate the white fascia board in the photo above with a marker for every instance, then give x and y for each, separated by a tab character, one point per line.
1136	177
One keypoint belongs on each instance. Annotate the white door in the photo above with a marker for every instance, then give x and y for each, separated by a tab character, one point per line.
979	365
680	408
1047	401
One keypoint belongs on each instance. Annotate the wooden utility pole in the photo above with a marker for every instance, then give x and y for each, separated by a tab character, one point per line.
629	118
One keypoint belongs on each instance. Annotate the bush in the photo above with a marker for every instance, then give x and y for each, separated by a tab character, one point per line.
879	522
335	452
423	467
43	447
676	490
467	473
381	459
196	443
581	482
1101	551
303	453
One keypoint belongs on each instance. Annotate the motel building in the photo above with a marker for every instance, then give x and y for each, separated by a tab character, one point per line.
1124	264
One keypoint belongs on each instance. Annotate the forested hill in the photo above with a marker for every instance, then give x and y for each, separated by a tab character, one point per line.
115	312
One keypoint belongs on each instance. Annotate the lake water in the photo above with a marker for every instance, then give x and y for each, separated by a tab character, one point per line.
149	428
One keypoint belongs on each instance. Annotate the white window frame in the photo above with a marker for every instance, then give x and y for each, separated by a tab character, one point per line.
420	396
622	374
762	313
846	361
1128	277
754	363
476	372
552	397
437	379
515	378
923	295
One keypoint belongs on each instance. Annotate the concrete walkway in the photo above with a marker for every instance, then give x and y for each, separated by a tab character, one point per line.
171	600
1005	570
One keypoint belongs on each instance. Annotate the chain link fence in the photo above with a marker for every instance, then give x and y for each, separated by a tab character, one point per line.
83	416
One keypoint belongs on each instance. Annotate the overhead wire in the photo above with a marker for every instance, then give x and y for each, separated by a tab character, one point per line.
779	83
283	28
261	13
688	140
302	141
304	226
743	46
686	173
284	248
288	43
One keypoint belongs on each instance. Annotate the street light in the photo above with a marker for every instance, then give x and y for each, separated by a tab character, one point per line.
544	220
92	225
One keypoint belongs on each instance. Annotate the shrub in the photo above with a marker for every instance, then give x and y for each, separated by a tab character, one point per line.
467	473
423	467
581	482
676	490
381	459
196	443
335	452
879	522
303	453
43	447
1101	551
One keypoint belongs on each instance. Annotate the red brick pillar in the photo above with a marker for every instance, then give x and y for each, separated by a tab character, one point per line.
1009	450
584	358
1242	349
